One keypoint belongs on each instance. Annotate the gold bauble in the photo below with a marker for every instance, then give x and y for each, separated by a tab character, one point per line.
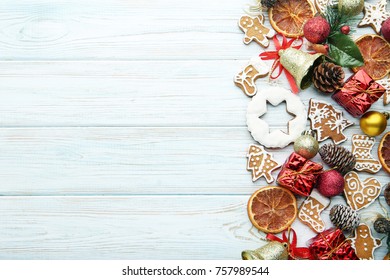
351	7
373	123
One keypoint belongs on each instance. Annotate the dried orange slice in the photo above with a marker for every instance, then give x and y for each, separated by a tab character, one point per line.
289	16
384	152
376	55
272	209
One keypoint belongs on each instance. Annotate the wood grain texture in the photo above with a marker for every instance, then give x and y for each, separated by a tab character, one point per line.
104	161
135	227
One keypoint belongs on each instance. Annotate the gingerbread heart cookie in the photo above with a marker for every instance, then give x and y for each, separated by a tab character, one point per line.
254	29
361	148
360	194
261	163
364	243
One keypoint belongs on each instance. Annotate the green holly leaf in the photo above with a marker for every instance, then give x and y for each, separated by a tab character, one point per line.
343	50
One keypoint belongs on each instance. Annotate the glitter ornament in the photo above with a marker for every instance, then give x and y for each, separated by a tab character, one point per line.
330	183
345	29
373	123
351	7
306	145
274	250
316	30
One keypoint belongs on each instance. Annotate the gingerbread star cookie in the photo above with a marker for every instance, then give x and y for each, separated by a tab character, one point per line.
261	163
327	121
364	243
375	15
385	82
254	29
360	194
256	68
361	148
310	211
321	5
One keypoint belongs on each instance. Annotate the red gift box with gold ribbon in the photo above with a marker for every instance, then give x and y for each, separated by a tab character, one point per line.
358	93
299	174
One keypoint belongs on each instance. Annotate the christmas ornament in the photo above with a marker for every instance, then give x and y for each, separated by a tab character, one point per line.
254	29
386	193
260	129
385	83
385	30
345	29
261	163
316	30
351	7
376	56
374	15
306	145
358	93
300	65
338	157
328	77
374	123
382	225
330	183
384	154
274	250
327	121
363	242
344	217
361	148
360	194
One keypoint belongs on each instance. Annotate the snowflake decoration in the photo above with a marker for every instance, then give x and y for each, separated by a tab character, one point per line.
375	15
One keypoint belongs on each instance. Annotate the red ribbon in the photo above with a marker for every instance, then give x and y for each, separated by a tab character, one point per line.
293	251
275	55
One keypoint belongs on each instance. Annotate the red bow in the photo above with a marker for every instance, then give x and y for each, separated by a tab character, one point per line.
293	251
275	55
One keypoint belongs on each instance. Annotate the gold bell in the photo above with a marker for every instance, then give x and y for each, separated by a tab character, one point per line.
300	65
274	250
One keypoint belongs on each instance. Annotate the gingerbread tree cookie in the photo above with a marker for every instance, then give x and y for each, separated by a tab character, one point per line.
255	69
364	243
375	15
254	29
361	148
327	121
310	210
360	194
261	163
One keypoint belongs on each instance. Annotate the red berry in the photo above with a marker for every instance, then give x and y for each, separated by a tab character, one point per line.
386	29
345	29
316	30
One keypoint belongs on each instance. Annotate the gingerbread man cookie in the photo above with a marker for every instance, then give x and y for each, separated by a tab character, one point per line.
361	148
310	211
364	243
255	69
261	163
360	194
254	29
260	129
375	15
327	121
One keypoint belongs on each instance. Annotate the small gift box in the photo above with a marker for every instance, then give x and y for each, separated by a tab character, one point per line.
299	174
358	93
331	245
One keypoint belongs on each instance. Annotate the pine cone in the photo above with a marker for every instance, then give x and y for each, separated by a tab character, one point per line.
382	225
328	77
344	217
268	3
338	157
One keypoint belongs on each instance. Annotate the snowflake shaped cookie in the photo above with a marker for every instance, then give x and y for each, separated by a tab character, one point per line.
261	163
385	82
327	121
375	15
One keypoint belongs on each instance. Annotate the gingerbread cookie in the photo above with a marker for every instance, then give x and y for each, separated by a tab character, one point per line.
254	29
310	210
327	121
385	83
364	243
260	129
375	15
322	4
256	68
361	148
360	194
261	163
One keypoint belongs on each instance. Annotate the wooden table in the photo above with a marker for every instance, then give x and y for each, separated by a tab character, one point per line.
123	135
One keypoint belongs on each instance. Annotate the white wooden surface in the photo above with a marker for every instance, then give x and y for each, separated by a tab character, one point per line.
122	133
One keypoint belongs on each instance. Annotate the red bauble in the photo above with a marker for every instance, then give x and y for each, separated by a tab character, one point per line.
345	29
316	30
386	29
330	183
